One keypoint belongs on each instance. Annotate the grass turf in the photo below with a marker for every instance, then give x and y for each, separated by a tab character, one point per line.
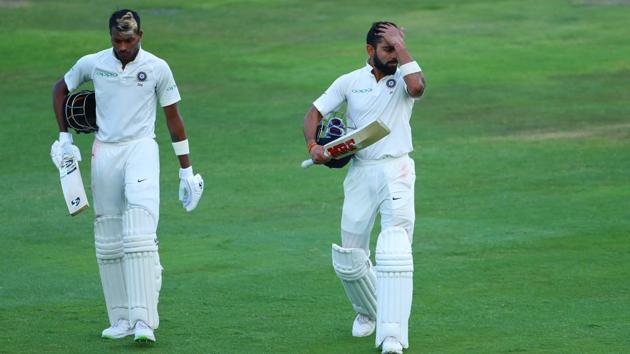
522	150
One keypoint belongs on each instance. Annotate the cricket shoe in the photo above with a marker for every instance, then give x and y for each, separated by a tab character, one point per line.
118	330
363	326
392	345
143	333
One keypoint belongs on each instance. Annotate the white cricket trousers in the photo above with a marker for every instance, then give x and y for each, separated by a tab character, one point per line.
126	175
384	186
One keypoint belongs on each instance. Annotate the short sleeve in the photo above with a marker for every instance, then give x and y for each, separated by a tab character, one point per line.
332	99
81	72
166	88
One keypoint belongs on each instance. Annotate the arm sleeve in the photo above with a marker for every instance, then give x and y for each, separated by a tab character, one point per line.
81	72
332	99
166	88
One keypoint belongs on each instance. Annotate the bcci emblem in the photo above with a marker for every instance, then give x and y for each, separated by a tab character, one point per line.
142	76
391	83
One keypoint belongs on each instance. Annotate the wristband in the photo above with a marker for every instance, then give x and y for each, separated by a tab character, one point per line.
65	137
181	147
410	68
310	146
185	172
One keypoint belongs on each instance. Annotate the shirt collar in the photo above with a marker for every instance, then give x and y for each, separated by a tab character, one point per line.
368	69
137	58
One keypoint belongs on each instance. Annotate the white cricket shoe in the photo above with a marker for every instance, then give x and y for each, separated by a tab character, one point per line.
118	330
392	345
143	333
363	326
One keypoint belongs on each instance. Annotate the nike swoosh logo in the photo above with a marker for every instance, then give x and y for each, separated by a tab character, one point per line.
396	198
142	180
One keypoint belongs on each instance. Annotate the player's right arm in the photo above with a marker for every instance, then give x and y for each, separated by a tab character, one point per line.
311	121
60	91
328	102
80	73
77	75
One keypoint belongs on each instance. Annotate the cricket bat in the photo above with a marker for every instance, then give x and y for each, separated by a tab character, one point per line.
72	185
353	142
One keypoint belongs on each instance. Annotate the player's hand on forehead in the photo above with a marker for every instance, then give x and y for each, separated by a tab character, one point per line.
390	33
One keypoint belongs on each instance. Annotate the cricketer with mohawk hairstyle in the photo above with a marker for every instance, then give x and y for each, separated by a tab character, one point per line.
381	180
128	82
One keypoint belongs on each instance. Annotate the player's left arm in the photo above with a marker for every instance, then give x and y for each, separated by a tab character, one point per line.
190	185
411	71
175	125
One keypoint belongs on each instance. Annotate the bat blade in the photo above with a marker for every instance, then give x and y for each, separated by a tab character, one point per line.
72	186
353	142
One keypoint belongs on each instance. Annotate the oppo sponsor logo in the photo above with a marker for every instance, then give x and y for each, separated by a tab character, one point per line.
365	90
104	73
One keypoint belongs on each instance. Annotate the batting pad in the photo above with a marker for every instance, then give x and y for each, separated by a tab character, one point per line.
143	272
109	256
394	285
354	269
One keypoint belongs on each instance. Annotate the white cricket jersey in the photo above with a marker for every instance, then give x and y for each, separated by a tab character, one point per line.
368	100
125	99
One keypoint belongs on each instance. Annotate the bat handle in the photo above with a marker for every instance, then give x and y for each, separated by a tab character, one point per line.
307	163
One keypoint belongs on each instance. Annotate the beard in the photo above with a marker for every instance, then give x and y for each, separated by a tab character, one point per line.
384	67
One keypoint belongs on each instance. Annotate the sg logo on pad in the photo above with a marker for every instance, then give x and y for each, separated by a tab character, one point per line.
76	201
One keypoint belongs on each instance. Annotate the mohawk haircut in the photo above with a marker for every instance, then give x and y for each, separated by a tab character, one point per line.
125	21
372	37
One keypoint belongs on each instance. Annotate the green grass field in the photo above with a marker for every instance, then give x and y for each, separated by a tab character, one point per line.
522	155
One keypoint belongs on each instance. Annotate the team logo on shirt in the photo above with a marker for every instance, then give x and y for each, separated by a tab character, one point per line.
142	76
391	83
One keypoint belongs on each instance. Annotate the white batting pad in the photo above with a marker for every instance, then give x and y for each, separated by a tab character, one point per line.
394	285
109	256
354	269
143	272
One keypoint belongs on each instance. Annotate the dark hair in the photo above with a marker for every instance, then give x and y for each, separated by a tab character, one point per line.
113	20
372	37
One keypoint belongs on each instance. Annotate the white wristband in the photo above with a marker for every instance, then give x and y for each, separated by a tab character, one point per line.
65	137
181	147
410	68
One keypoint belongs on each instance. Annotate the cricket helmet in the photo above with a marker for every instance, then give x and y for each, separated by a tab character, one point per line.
333	130
79	111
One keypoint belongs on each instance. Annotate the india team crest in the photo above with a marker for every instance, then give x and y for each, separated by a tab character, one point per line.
142	76
391	83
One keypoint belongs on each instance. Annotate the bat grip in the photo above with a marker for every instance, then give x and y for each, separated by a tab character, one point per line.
307	163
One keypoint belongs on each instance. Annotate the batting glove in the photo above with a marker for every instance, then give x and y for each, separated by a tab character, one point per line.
64	147
190	188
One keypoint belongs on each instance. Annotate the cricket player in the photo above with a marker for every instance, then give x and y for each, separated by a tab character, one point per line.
380	180
128	82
